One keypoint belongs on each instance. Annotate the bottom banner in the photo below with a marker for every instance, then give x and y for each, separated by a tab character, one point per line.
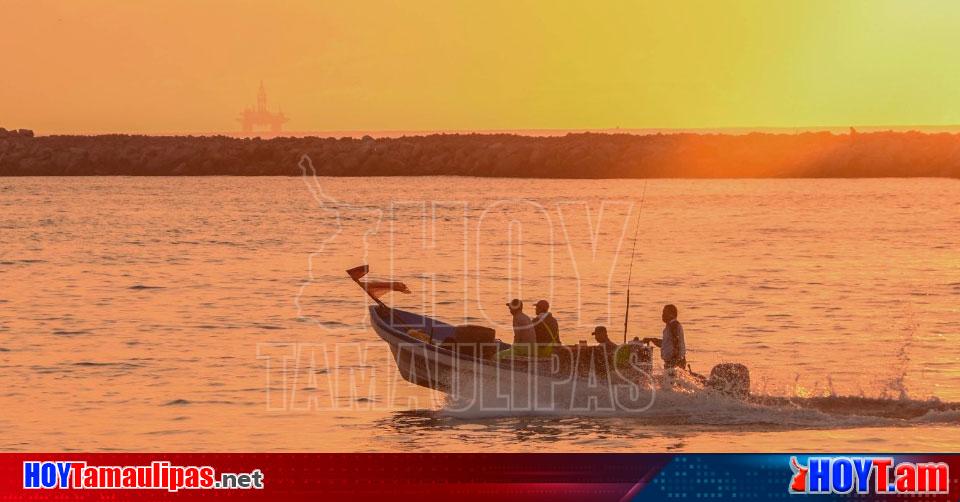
600	477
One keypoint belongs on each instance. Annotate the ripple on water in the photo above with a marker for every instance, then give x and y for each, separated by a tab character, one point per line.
99	364
67	332
333	324
49	370
186	402
169	432
24	262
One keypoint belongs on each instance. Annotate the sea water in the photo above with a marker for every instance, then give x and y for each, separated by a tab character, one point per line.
214	313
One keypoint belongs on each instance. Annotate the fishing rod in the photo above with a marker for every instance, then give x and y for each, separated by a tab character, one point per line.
626	314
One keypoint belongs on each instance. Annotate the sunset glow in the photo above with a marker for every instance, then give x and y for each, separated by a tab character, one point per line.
183	66
480	250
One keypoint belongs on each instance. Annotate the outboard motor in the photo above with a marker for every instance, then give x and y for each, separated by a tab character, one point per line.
730	378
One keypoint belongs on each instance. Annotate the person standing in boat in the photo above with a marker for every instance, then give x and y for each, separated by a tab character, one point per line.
524	334
546	328
673	348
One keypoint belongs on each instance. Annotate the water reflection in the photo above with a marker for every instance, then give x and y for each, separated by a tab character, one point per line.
419	428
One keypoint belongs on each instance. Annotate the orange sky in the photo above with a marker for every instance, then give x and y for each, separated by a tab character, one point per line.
191	66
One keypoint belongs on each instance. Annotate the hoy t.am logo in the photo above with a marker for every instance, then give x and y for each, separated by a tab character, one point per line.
866	475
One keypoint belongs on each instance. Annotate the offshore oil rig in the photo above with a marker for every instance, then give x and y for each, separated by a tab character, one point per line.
253	118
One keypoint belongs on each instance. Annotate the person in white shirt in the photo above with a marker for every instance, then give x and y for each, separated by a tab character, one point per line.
524	334
673	348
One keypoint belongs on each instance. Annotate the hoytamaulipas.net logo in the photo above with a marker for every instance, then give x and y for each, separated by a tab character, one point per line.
868	475
159	475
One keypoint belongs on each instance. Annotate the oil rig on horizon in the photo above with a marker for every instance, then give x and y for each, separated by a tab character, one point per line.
251	118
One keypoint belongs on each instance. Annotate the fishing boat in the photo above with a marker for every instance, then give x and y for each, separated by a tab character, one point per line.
467	362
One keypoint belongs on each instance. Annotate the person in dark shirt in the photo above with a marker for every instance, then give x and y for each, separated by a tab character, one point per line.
547	329
600	335
609	348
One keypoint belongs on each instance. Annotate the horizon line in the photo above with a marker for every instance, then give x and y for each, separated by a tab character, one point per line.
395	133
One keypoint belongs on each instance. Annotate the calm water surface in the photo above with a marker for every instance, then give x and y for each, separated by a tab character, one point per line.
213	313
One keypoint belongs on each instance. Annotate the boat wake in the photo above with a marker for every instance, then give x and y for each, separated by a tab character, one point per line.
703	407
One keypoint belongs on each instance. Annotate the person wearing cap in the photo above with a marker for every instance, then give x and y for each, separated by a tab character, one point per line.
524	334
546	328
600	335
619	357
